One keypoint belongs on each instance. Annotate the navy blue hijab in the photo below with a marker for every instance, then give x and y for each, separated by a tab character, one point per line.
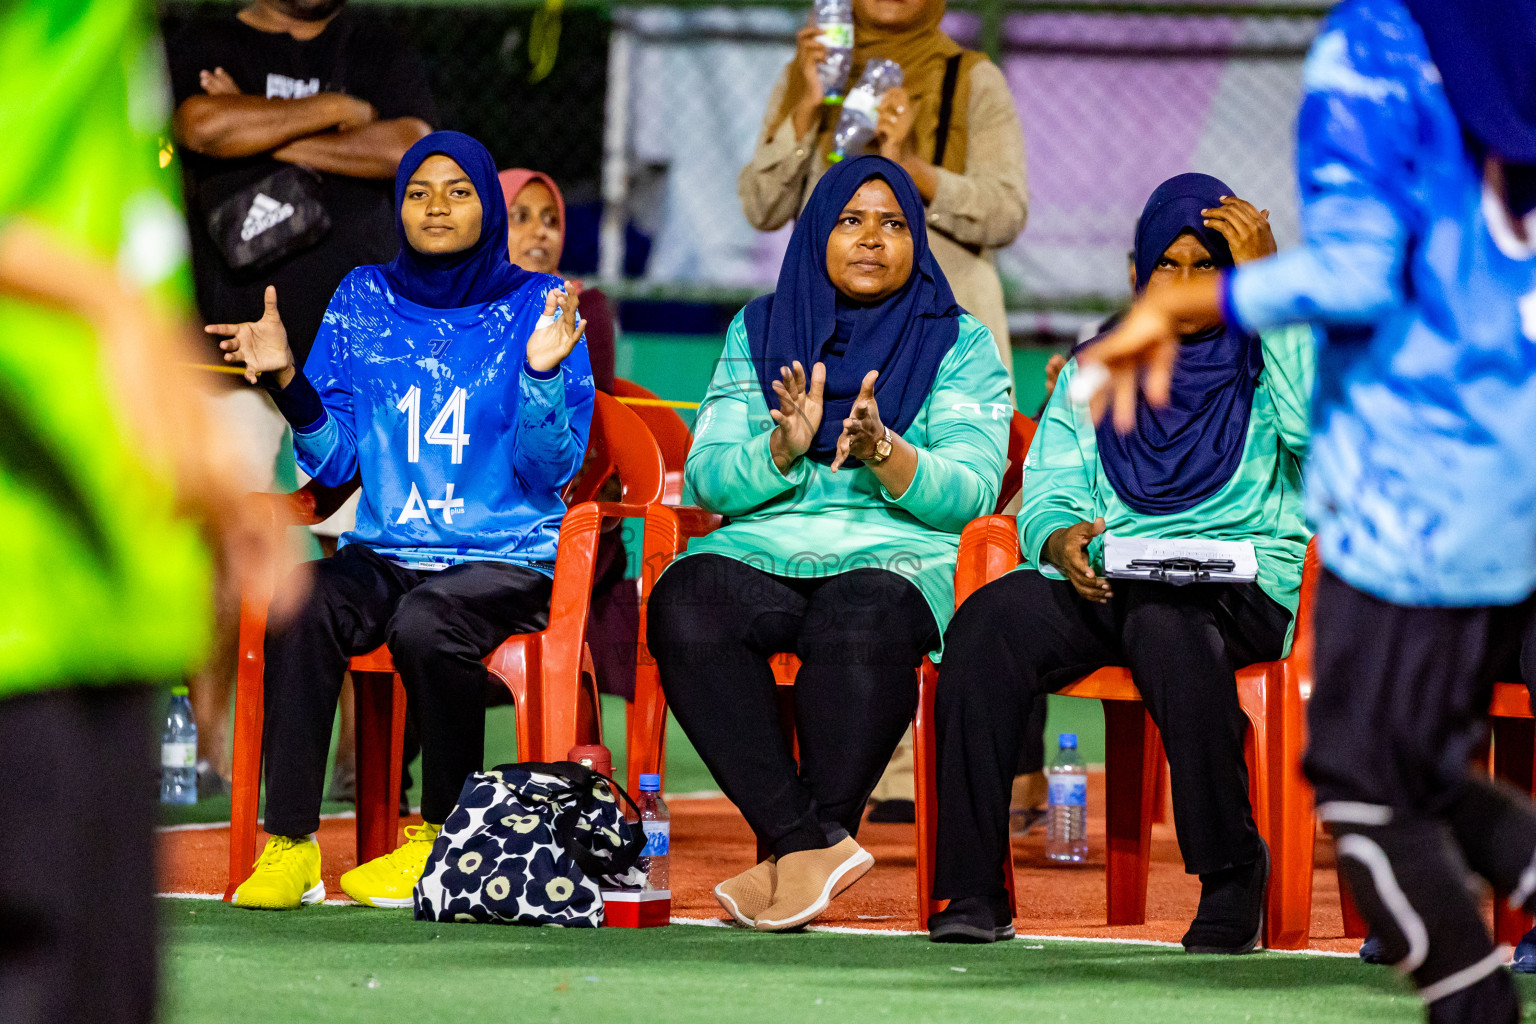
1486	53
1185	452
480	274
905	337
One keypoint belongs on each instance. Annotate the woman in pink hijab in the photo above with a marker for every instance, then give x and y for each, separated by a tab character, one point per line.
535	241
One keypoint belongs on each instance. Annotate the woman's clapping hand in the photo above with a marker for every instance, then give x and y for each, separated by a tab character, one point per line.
799	413
862	429
550	344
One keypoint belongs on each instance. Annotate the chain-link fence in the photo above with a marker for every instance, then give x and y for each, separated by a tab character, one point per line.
646	113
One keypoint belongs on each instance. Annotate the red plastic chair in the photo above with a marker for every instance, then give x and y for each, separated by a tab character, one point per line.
669	430
1273	696
667	532
1514	761
549	673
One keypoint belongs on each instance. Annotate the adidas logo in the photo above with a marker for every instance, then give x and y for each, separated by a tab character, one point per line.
265	213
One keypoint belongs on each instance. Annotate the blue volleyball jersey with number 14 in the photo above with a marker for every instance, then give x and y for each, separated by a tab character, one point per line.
461	449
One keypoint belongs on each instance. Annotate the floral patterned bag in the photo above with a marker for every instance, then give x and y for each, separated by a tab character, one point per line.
531	843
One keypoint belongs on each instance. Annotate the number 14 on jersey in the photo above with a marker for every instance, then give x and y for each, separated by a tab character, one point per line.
446	429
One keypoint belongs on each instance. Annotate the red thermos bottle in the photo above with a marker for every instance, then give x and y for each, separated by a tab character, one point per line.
595	756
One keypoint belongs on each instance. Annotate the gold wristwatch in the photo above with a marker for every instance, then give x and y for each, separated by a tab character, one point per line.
882	449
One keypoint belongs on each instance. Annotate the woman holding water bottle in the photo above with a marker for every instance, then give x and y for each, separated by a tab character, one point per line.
951	125
1222	461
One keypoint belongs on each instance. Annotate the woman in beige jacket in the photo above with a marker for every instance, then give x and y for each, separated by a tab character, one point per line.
952	126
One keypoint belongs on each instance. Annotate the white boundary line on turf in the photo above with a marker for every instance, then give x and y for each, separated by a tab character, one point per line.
715	922
217	898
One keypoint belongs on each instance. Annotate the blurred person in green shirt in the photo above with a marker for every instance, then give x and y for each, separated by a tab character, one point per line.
104	463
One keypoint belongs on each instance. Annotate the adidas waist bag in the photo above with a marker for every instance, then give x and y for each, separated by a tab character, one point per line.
531	843
277	217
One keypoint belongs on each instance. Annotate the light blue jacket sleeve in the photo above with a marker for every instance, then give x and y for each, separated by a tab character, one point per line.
729	469
1357	124
328	452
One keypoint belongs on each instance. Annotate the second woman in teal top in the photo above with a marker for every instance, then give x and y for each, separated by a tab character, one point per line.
857	420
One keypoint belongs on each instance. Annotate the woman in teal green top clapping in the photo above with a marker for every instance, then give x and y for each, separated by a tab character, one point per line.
857	420
1222	460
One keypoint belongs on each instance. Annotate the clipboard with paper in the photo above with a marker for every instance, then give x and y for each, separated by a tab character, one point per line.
1180	562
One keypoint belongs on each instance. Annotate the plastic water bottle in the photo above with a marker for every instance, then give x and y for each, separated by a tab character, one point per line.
657	822
835	20
178	751
1066	821
861	110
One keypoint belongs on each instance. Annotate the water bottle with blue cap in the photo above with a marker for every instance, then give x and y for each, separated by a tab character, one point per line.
657	822
1066	816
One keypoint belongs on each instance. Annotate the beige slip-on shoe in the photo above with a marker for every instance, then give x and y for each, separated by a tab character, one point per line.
748	894
807	881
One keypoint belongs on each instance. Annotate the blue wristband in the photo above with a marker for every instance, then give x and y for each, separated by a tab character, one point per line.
538	375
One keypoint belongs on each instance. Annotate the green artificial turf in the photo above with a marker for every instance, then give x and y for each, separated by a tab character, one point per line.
343	964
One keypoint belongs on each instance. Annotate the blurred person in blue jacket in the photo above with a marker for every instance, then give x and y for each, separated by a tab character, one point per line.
1416	148
457	388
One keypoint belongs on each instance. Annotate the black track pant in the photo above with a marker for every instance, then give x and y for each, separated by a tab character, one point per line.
1398	709
713	624
1026	634
438	626
78	791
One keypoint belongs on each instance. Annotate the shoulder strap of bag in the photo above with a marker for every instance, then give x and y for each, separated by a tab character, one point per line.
946	108
581	779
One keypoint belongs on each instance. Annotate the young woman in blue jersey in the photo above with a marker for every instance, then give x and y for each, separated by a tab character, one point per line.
457	387
1416	148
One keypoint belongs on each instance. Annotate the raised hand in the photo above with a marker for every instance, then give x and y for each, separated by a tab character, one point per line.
1067	550
810	51
1245	228
262	345
1142	350
862	428
798	415
550	344
894	129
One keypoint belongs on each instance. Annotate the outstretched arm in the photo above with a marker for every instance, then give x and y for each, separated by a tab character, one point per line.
144	356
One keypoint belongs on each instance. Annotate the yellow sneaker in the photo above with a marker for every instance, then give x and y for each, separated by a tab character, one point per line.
388	881
286	876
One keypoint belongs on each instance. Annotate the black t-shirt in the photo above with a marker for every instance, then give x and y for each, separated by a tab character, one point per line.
353	55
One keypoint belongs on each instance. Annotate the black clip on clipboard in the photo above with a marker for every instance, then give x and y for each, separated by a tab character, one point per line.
1182	571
